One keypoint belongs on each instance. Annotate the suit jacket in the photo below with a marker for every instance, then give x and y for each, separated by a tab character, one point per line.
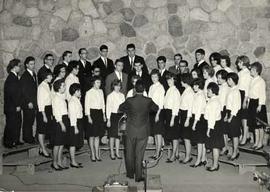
12	93
29	89
163	80
110	78
104	70
41	75
127	65
85	73
137	109
200	66
145	78
173	70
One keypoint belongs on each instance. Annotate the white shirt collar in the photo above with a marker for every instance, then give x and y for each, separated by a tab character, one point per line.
66	63
48	67
14	73
31	72
200	62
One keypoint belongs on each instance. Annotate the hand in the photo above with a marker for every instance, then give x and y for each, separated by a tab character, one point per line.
172	123
259	108
225	118
30	105
187	123
244	105
45	120
104	118
157	118
194	127
18	109
208	132
63	128
229	119
90	120
109	123
76	130
125	115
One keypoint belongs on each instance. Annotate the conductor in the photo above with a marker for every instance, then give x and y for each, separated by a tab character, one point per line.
137	109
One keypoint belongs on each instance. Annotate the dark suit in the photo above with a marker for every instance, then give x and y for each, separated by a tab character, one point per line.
137	109
85	72
197	66
127	65
12	100
29	95
163	80
173	70
110	78
104	70
144	77
41	73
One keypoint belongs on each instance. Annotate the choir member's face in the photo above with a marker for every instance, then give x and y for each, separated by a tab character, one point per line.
213	62
68	57
131	52
96	72
62	73
155	78
161	64
62	88
170	82
220	81
205	74
17	68
253	72
31	65
199	56
177	60
230	82
138	67
194	75
239	64
49	78
49	61
97	84
75	71
104	53
195	88
117	88
83	54
223	63
119	66
134	82
209	93
182	67
78	94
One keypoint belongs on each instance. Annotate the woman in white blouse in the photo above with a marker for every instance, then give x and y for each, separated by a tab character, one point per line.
72	77
225	63
44	116
132	91
114	99
157	94
208	74
95	111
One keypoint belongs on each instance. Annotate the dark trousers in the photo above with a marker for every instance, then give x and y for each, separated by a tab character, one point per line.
29	116
135	148
13	128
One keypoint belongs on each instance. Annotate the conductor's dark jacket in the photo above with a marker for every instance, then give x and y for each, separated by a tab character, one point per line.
137	109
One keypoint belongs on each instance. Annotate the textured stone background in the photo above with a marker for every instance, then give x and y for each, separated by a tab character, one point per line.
157	27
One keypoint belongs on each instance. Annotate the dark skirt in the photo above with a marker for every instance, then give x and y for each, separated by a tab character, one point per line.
76	139
157	128
252	110
224	125
171	133
243	112
185	132
97	128
234	127
42	127
216	139
60	137
199	135
113	130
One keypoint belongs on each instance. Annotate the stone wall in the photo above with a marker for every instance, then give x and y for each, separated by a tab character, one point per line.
157	27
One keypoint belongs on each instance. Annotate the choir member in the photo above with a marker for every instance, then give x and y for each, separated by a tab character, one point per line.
161	62
196	74
132	91
175	69
200	62
225	63
208	74
215	63
72	77
48	63
66	58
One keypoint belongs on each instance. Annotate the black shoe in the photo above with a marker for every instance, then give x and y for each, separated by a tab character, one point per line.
112	158
170	161
19	143
119	157
76	166
225	152
139	179
188	161
98	159
236	157
153	157
56	168
211	170
42	154
194	165
259	148
204	163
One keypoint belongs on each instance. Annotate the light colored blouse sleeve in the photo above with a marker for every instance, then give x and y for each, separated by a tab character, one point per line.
87	103
177	97
108	106
40	99
72	112
102	101
262	92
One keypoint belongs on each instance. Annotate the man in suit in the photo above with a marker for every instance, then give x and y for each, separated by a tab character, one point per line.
105	64
48	63
131	58
12	105
66	58
117	74
161	62
138	70
28	84
137	109
175	69
183	66
199	55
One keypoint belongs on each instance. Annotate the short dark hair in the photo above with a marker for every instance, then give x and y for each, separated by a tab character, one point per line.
244	59
227	59
46	74
118	60
81	49
171	76
103	47
186	78
198	71
213	87
199	82
131	45
184	61
209	70
178	54
116	82
201	51
135	77
223	74
74	87
28	59
258	67
12	63
65	54
57	84
161	58
57	69
47	55
155	72
216	56
139	86
234	77
96	78
73	64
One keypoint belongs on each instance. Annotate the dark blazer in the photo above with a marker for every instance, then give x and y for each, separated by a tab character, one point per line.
172	69
12	93
137	109
41	72
200	66
145	78
85	73
127	65
163	80
110	78
104	70
29	89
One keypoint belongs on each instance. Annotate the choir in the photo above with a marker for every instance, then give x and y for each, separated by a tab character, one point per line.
77	100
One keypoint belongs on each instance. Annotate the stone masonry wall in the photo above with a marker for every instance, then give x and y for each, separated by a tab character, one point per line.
157	27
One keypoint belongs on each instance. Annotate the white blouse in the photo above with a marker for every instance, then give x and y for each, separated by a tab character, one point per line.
257	89
233	102
114	100
212	112
244	80
43	96
94	99
228	69
71	78
187	99
216	69
206	83
59	107
172	100
157	94
75	110
223	92
198	105
131	93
